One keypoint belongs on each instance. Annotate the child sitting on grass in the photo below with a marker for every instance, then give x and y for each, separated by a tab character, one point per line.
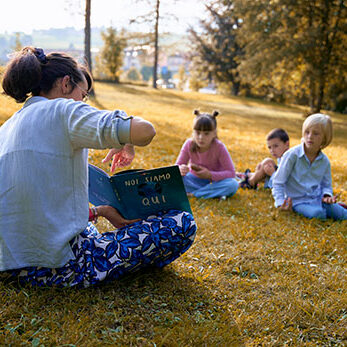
205	163
303	180
277	142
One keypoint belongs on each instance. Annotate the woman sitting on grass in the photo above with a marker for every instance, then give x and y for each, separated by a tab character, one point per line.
45	237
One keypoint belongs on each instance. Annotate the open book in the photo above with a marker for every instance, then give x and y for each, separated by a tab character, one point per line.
139	193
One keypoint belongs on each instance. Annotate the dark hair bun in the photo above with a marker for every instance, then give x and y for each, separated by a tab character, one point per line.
214	114
22	75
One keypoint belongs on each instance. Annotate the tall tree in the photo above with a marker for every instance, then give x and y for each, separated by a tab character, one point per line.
87	38
156	43
306	40
215	47
87	35
75	6
153	17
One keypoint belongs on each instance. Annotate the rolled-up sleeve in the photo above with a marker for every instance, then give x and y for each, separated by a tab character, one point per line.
89	127
327	181
280	177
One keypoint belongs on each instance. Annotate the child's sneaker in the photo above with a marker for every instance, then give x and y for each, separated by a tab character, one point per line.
245	183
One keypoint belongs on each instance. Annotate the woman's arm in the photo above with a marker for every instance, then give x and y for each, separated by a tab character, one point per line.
111	214
89	127
141	132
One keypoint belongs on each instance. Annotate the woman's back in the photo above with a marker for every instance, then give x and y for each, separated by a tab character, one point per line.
35	187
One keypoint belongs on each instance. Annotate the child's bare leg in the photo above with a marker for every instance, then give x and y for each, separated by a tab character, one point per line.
261	171
269	167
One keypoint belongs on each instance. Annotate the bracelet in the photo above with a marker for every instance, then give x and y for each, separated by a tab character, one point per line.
95	214
91	215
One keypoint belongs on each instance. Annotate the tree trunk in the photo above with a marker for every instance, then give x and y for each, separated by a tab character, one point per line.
87	39
313	94
236	88
156	48
320	96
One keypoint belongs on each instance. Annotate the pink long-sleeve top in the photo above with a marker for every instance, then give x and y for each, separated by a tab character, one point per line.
216	159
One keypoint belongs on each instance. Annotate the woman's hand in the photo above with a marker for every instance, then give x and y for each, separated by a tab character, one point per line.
121	157
113	216
184	169
329	199
201	172
287	205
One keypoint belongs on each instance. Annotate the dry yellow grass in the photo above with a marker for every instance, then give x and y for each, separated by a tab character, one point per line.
254	276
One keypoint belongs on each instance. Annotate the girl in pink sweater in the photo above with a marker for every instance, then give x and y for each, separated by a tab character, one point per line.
204	161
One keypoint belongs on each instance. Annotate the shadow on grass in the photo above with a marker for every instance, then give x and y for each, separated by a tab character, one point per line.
151	92
149	307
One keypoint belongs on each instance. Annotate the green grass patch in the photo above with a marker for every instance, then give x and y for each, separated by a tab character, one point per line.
254	276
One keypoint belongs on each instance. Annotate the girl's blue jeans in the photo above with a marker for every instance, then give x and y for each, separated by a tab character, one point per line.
202	188
321	211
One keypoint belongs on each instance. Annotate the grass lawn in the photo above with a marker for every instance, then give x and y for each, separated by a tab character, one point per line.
254	276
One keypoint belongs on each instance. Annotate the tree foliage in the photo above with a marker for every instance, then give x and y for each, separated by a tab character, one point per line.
146	72
133	74
216	48
182	78
110	59
153	17
17	44
287	50
296	46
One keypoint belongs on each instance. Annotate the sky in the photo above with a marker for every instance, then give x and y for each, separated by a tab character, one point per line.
28	15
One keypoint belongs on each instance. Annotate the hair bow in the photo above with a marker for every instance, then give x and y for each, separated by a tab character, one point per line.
40	55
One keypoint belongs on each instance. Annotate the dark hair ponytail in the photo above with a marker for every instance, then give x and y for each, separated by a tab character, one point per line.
22	75
31	72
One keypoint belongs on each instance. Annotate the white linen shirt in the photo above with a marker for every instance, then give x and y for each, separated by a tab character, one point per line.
44	177
301	180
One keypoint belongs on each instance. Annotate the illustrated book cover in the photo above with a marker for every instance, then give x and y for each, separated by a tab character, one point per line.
139	193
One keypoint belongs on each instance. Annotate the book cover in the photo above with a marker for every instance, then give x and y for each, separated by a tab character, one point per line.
139	193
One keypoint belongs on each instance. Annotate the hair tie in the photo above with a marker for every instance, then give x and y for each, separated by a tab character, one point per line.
40	55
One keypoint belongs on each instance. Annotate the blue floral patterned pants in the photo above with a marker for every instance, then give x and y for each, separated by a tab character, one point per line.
156	241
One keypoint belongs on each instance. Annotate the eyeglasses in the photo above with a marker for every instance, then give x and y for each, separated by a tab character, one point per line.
85	95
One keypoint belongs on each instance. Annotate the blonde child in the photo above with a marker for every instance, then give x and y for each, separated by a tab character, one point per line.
303	180
277	141
204	161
